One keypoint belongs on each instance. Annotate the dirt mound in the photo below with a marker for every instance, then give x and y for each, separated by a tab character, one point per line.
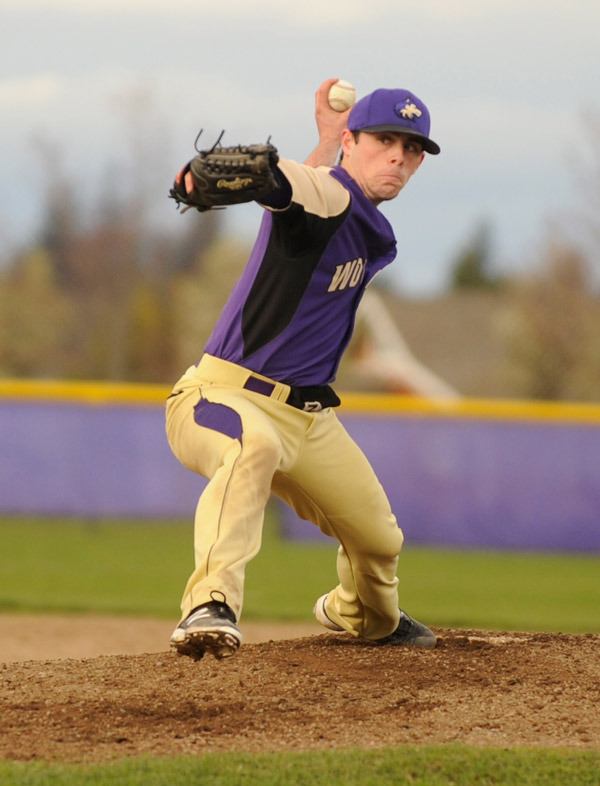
324	691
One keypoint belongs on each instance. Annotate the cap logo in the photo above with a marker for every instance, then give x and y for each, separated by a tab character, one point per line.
410	110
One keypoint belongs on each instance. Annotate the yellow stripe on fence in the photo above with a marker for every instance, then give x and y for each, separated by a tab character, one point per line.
83	392
115	393
486	409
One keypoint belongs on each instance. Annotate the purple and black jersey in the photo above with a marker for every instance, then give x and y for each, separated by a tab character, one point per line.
291	314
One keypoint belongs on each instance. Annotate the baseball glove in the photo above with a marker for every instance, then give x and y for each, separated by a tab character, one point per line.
227	176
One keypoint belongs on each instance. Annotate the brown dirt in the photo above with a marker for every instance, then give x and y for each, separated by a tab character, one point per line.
323	691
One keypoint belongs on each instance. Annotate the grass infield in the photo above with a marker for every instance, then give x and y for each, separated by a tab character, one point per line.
414	766
125	567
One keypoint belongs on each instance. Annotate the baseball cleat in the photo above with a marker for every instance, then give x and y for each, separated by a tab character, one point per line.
210	627
410	633
322	617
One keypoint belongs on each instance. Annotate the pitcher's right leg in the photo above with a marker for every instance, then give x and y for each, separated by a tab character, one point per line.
228	439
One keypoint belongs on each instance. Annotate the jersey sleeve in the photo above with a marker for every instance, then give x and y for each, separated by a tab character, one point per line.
313	189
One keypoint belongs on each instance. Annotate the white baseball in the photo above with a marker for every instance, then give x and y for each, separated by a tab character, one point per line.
342	95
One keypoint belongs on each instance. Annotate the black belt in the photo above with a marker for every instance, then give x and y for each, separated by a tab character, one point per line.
311	398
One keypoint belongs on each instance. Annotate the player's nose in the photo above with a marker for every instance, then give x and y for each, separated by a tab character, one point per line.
397	153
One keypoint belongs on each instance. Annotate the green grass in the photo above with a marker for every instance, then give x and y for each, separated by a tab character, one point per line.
414	766
140	568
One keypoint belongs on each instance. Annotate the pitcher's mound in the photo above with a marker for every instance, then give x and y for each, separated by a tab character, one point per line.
324	691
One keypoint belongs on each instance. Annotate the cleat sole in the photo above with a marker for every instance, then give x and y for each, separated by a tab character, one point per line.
219	644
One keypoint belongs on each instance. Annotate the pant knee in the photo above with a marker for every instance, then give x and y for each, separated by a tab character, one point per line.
383	545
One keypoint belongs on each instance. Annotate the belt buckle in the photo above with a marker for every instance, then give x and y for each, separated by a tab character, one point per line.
312	406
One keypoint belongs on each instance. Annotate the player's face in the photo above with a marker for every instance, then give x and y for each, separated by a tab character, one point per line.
381	163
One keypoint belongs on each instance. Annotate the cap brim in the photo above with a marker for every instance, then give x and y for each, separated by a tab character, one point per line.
428	144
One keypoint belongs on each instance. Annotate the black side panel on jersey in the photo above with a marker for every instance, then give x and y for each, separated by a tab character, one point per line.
296	244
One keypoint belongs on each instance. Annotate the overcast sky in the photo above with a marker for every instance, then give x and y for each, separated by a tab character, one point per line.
508	83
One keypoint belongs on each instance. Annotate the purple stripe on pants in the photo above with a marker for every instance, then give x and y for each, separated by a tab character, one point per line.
219	418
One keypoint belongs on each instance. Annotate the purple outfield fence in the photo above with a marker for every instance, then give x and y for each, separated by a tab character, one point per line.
464	478
484	483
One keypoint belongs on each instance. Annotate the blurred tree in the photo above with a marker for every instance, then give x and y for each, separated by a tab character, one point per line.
198	232
36	318
197	296
583	226
471	268
553	329
553	325
60	218
587	168
110	292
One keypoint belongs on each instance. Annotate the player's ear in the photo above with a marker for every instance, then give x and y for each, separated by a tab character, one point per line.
347	141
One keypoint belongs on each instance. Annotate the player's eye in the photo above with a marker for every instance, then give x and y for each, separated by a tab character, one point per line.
413	147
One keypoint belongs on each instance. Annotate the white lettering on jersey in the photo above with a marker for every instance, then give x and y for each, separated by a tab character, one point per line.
349	274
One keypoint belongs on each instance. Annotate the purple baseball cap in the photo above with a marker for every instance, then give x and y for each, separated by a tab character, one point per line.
393	110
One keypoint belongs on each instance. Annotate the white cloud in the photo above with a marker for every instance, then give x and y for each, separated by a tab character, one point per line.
316	13
506	82
497	129
489	9
310	14
29	90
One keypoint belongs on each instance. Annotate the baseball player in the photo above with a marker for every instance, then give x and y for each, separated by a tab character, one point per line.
256	414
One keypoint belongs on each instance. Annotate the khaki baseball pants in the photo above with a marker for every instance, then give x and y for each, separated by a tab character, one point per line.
250	445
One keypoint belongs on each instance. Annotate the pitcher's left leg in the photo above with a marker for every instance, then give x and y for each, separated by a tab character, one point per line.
333	485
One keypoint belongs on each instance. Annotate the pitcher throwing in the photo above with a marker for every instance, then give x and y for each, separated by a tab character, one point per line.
256	414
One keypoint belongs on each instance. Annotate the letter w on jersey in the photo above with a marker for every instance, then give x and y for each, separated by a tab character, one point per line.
349	274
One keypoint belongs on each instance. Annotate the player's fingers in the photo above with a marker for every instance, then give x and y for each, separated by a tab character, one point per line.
188	181
324	88
184	179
